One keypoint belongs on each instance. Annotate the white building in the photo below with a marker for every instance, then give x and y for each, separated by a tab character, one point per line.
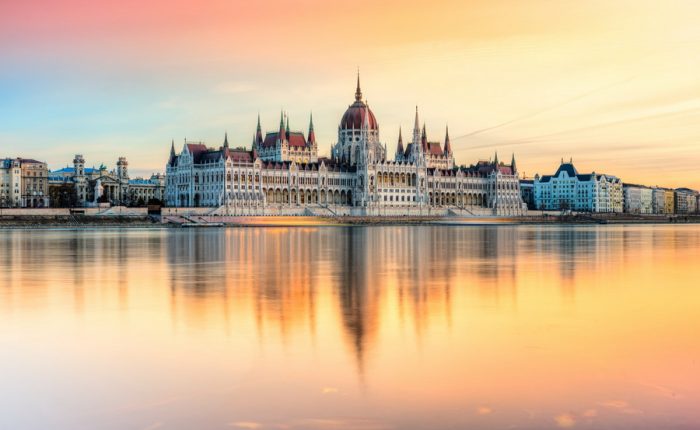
639	199
569	190
10	182
358	179
686	201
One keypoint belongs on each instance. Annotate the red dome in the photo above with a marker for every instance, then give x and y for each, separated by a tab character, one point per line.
354	117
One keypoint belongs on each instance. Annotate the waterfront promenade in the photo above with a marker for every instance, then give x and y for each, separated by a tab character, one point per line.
139	218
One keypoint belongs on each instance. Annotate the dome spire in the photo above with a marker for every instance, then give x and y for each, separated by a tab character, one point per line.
358	91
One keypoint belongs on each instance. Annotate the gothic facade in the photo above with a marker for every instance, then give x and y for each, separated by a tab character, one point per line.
283	174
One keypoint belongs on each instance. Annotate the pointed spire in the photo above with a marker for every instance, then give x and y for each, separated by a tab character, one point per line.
424	139
399	146
358	91
287	129
416	125
312	135
495	160
448	147
513	167
258	133
171	159
226	139
280	133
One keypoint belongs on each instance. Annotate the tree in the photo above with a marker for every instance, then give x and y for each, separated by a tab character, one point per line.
63	196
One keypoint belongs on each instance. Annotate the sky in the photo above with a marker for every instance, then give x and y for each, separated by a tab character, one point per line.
613	85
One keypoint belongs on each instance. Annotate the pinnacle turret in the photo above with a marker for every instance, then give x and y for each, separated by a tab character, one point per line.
258	139
448	147
172	152
312	134
399	146
280	134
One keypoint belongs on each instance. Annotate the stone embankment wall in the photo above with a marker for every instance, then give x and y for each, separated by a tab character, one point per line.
75	221
115	210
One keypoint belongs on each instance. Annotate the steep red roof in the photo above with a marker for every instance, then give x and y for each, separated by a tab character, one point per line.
296	138
196	149
434	148
241	155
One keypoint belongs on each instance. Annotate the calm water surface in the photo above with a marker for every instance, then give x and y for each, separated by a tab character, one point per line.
351	328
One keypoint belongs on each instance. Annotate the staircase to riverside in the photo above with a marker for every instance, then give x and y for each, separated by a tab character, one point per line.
460	211
174	219
321	210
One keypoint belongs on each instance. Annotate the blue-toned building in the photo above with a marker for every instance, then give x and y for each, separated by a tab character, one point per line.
567	189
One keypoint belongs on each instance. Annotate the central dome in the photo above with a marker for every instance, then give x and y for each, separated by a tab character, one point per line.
354	117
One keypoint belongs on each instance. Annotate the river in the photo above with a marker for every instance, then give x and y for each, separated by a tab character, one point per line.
381	327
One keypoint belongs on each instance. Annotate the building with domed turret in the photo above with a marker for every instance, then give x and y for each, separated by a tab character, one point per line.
282	174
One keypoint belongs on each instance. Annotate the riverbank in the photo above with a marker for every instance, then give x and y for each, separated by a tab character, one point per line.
145	221
77	221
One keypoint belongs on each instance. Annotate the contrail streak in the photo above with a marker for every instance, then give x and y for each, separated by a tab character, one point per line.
547	109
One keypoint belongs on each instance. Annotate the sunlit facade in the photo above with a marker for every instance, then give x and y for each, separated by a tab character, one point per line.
638	199
569	190
23	183
283	175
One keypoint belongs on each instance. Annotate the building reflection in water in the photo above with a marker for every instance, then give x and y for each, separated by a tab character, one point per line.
278	275
419	322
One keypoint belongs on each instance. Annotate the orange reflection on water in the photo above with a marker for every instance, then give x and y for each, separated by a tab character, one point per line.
351	327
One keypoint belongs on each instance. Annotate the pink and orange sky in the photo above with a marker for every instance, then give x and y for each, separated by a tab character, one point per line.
613	84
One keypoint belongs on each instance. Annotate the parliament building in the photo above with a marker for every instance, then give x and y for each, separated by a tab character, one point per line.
282	174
